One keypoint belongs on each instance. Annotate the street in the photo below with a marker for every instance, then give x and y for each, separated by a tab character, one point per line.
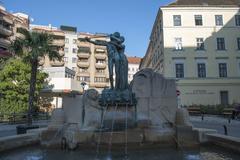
215	122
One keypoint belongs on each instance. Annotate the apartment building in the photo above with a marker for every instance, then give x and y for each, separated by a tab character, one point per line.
198	44
92	61
58	43
9	22
89	61
133	67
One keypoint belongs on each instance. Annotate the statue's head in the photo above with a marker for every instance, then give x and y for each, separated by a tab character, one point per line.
115	36
122	39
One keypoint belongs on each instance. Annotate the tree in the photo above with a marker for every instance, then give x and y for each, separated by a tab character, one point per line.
14	86
34	46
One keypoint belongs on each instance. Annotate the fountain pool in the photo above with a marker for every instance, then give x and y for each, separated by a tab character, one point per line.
205	152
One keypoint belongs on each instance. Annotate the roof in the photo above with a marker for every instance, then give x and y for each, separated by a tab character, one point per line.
205	3
134	60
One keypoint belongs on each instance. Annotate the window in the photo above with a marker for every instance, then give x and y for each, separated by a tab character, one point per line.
74	50
218	20
83	78
83	60
237	20
74	60
99	61
84	49
238	43
100	71
177	20
179	70
198	20
201	70
74	41
224	97
220	44
200	44
66	40
65	59
178	44
222	69
99	79
66	50
83	70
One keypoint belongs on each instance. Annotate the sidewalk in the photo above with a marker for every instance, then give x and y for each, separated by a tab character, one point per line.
10	129
217	123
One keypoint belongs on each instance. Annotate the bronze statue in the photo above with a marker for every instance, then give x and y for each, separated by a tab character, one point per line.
117	59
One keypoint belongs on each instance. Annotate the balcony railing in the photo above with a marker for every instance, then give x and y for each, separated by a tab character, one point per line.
83	64
41	61
100	84
61	53
5	31
4	42
58	42
100	56
6	19
100	50
83	55
100	65
56	63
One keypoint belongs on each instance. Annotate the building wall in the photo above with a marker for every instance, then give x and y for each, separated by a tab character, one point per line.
195	90
71	40
8	26
132	69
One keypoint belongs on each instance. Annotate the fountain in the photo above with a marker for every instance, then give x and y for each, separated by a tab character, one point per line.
143	112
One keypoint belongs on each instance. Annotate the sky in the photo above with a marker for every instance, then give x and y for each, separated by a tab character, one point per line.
132	18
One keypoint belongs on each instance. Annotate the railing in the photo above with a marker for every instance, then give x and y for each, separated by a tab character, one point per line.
14	118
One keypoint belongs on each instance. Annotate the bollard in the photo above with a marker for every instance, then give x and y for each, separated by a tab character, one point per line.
64	143
225	130
229	120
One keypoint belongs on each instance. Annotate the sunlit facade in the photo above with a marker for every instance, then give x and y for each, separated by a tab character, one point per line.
199	46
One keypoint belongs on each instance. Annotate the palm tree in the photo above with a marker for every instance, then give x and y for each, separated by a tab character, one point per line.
31	48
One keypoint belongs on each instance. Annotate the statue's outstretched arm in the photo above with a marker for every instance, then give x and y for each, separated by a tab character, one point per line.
96	42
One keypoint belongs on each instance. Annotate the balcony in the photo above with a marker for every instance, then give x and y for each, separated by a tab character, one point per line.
83	64
58	42
4	43
56	63
6	19
100	56
58	34
83	55
41	61
61	53
100	65
100	84
86	74
100	50
5	31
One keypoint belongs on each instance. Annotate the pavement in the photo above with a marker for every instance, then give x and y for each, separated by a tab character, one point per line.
10	129
209	121
217	123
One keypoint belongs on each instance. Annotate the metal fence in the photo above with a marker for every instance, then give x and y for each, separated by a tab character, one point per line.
14	118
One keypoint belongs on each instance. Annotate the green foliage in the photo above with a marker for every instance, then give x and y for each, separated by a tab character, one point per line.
34	45
14	86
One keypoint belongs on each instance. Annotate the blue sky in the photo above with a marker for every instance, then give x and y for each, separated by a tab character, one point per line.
132	18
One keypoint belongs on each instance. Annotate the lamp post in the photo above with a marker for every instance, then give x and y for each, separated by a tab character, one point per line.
83	84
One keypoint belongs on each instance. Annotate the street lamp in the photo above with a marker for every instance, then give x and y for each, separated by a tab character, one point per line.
83	84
